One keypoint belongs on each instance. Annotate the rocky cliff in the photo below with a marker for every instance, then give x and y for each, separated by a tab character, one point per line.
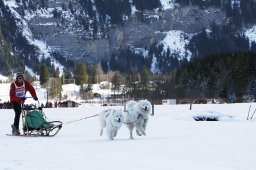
58	27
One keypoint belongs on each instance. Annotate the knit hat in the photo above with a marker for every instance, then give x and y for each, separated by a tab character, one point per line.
19	74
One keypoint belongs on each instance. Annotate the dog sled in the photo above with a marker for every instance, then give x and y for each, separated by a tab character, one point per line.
35	122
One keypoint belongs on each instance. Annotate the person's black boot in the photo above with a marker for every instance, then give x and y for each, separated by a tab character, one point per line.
15	131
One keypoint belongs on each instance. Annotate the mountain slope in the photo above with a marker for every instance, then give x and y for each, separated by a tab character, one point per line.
62	31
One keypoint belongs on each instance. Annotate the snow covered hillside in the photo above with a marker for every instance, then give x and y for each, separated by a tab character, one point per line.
42	48
174	141
176	41
64	31
251	34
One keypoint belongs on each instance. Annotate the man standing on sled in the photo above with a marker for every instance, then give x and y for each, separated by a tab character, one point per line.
18	91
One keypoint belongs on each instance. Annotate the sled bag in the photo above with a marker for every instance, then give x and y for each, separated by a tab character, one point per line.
35	120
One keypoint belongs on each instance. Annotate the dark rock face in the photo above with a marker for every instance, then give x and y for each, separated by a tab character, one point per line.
193	19
141	30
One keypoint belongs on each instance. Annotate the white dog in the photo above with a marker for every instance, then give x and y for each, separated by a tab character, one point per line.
137	116
112	119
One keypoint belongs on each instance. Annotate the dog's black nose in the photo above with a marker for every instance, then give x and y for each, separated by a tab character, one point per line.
146	108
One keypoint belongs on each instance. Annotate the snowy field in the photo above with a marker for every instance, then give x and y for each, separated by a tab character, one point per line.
174	141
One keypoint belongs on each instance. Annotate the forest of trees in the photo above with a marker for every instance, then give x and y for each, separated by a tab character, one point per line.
201	3
221	39
211	77
218	76
8	59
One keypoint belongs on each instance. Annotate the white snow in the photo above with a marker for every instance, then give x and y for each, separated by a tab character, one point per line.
176	41
46	24
42	13
174	141
71	91
46	53
30	71
4	92
168	4
251	34
3	78
10	3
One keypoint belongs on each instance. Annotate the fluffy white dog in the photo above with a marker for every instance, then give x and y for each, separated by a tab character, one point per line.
112	119
137	116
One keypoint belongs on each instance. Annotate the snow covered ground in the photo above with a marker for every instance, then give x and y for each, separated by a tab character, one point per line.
3	78
174	141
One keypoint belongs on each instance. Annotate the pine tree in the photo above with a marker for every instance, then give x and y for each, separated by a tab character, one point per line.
104	65
81	76
67	77
116	81
253	47
70	6
55	88
91	74
99	75
44	75
56	85
144	81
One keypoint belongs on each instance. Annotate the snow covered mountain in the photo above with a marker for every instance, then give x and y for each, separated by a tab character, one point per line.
90	31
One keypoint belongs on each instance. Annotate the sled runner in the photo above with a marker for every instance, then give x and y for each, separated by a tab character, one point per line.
35	124
23	135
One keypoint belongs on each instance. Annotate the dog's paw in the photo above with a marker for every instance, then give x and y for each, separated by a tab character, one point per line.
138	133
110	137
